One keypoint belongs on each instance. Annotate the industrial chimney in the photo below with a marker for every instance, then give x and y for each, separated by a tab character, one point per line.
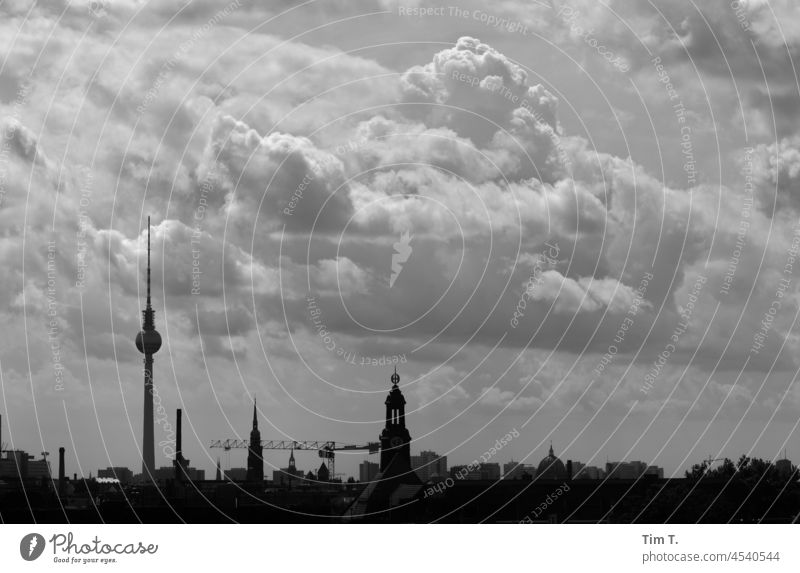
179	469
60	471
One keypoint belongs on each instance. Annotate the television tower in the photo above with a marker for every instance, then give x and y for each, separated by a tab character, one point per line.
148	341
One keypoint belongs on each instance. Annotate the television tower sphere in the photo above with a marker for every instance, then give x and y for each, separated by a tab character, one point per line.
148	341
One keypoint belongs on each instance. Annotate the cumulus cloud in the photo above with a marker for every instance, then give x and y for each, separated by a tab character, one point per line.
480	94
775	169
283	176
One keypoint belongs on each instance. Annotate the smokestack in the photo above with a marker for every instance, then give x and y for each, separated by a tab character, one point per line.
178	446
60	471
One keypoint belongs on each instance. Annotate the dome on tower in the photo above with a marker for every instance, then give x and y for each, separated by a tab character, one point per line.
148	341
551	467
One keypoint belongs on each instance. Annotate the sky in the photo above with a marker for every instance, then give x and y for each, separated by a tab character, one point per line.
576	220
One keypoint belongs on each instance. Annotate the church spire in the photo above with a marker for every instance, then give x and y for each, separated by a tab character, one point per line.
255	460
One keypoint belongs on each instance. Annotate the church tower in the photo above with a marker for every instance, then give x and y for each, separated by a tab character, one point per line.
395	439
396	482
255	459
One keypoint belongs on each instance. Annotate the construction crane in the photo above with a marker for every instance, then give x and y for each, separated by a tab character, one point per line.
710	460
326	449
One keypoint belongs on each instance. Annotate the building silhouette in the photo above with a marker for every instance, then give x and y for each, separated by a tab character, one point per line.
289	475
236	474
517	470
462	471
481	471
489	470
551	467
783	466
165	474
122	474
148	342
429	464
18	464
322	473
632	470
367	471
589	472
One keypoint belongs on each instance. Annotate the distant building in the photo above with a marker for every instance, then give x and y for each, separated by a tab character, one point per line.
589	472
621	470
465	472
166	473
490	471
122	474
655	471
428	465
323	474
18	464
367	471
289	475
784	467
631	470
551	467
516	470
512	470
235	474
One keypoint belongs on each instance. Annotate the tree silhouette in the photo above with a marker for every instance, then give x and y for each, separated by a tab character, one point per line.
749	490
